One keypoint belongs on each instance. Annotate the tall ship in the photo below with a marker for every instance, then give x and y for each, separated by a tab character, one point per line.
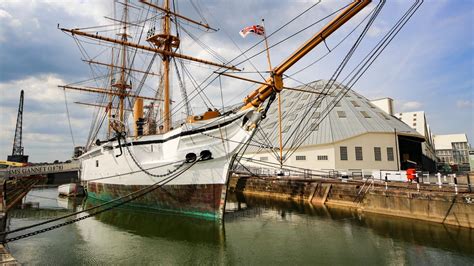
183	164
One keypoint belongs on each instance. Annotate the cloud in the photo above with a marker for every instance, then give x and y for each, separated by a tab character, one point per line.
46	134
426	58
462	104
410	106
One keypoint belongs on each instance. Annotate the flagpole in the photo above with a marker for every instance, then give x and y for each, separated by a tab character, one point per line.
266	45
279	95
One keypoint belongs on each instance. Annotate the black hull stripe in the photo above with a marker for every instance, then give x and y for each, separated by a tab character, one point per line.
182	134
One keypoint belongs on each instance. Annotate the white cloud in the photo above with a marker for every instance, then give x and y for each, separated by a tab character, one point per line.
410	106
46	134
465	104
7	20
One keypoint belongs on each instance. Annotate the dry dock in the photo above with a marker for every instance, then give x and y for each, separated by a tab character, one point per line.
417	201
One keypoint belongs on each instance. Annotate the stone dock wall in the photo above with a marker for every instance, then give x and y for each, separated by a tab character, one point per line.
429	203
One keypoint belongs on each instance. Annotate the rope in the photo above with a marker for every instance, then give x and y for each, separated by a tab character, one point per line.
128	198
69	119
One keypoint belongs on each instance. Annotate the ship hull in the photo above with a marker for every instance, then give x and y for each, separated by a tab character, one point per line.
203	200
197	188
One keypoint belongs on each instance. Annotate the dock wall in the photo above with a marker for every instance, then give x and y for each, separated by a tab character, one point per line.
429	203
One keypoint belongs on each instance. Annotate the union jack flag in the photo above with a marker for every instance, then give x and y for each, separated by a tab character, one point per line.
257	29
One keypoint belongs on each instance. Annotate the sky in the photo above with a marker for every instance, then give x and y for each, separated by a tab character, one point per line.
429	66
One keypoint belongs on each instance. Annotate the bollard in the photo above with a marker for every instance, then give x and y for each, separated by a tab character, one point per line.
417	182
439	179
455	184
469	183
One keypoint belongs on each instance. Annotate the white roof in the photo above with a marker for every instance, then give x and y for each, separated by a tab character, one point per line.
306	117
443	142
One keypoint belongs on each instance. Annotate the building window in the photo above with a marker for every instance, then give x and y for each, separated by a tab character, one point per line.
265	158
414	124
96	163
343	152
322	157
414	114
390	154
355	104
384	116
341	114
378	154
358	153
300	157
414	119
365	114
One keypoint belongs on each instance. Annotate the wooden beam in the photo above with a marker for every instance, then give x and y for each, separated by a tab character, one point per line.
268	84
146	48
177	15
105	91
97	105
114	66
259	95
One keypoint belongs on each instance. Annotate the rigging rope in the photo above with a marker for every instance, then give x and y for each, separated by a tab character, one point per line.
69	119
365	63
126	199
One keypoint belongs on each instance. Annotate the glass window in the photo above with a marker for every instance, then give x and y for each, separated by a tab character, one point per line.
341	114
358	153
378	154
355	104
343	152
365	114
384	116
322	157
300	157
390	156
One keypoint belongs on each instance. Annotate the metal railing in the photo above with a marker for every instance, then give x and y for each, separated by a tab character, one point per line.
424	181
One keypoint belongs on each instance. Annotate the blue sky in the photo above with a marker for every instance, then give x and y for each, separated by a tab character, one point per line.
429	66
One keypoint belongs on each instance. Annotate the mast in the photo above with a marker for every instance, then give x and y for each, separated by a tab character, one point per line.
109	105
166	68
280	135
163	43
275	82
122	85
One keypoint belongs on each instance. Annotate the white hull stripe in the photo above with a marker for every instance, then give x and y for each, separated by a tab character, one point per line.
182	134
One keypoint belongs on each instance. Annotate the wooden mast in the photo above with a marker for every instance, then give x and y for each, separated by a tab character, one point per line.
164	44
109	105
166	68
257	97
279	95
